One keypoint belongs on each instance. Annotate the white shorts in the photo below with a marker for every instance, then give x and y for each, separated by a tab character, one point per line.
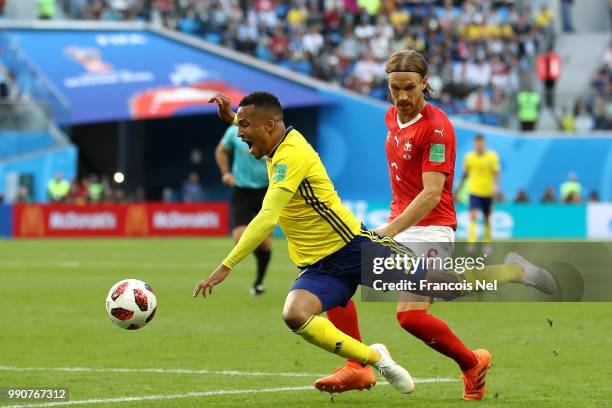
428	241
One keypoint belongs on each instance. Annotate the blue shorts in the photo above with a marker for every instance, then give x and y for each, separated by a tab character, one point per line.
480	203
334	279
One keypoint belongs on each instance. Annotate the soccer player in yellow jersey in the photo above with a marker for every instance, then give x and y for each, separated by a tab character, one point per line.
324	238
481	170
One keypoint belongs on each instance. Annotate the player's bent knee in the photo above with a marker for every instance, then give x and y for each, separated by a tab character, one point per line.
300	306
295	320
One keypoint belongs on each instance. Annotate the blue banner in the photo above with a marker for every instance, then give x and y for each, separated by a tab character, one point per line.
509	221
119	75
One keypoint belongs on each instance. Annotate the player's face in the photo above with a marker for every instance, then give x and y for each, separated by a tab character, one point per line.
254	130
480	145
406	90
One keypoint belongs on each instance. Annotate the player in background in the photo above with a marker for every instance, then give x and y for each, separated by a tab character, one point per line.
481	170
420	149
249	179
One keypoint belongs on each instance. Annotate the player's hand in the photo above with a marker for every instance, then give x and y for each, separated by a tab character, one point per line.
228	179
213	280
224	107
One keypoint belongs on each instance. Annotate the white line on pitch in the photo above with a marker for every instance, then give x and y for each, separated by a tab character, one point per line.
160	370
193	394
187	371
160	397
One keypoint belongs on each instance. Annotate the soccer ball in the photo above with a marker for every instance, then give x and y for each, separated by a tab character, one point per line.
131	304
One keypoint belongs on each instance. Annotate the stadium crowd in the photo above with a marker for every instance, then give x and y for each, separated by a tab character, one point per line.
481	52
594	110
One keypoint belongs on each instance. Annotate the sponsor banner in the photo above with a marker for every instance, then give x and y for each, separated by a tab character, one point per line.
599	220
512	220
205	219
110	75
6	221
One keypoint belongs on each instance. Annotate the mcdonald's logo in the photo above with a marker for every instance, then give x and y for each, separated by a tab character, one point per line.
32	222
137	220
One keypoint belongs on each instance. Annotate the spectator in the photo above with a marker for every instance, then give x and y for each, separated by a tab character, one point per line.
566	15
594	197
78	193
107	189
521	197
95	189
279	45
120	196
312	42
23	195
571	190
1	198
602	121
584	120
572	198
549	196
46	9
528	109
479	102
58	188
499	197
191	190
568	120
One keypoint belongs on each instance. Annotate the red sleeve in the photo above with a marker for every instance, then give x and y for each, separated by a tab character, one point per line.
438	148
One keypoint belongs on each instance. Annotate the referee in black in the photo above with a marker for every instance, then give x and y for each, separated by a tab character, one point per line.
249	178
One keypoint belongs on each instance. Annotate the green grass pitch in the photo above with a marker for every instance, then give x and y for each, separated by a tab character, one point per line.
52	316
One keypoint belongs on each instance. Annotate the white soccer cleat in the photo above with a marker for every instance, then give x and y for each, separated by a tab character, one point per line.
535	276
395	374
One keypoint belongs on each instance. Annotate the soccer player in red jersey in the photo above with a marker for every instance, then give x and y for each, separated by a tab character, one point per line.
420	149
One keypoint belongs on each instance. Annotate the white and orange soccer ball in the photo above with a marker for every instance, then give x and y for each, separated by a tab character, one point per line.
131	304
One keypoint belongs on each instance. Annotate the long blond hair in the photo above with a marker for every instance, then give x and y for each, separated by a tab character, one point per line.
409	61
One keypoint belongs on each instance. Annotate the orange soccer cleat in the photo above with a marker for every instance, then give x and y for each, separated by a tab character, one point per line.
474	386
352	376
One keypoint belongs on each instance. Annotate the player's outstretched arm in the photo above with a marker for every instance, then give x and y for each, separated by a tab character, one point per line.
224	107
258	229
423	203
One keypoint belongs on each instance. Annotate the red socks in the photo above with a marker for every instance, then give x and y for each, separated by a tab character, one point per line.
433	331
437	335
345	320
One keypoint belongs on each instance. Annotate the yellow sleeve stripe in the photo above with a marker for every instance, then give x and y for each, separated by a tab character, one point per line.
325	212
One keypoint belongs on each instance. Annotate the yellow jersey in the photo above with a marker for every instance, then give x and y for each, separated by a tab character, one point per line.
481	169
315	221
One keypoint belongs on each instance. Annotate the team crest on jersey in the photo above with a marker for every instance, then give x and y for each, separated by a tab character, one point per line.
280	171
407	146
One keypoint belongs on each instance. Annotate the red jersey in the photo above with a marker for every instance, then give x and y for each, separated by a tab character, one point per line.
426	143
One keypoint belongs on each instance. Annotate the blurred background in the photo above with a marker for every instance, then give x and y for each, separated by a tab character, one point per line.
105	129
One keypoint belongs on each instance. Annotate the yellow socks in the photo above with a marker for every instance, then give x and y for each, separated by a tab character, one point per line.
322	333
501	273
472	231
487	233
